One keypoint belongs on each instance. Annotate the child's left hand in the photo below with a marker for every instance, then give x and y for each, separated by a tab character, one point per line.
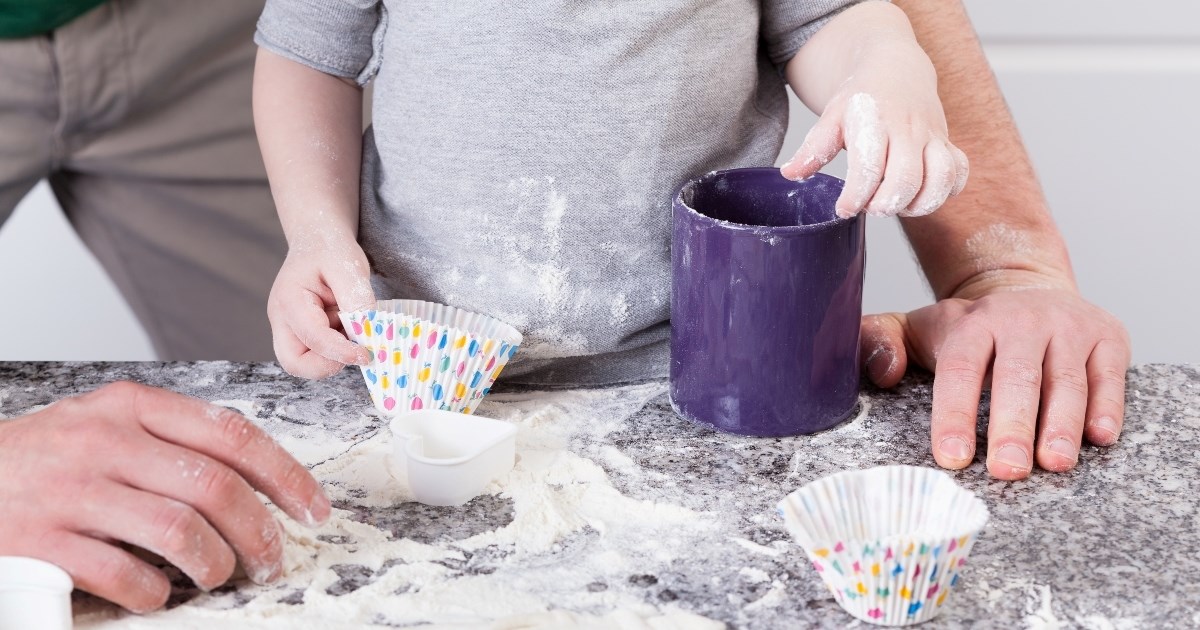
889	119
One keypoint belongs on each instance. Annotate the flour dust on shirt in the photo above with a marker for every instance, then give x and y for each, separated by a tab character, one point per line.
523	156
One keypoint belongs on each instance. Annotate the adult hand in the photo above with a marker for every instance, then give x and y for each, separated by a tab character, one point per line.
1057	366
157	470
316	281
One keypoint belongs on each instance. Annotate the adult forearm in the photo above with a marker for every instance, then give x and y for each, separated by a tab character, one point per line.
1000	225
309	128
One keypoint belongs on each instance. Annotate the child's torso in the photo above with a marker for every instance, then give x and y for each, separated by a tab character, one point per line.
523	157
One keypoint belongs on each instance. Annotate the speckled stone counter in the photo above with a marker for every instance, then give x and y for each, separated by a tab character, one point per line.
619	513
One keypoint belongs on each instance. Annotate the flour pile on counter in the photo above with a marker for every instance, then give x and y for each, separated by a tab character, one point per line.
512	559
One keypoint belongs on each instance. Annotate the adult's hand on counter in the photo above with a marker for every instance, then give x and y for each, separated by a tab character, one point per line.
157	470
1057	366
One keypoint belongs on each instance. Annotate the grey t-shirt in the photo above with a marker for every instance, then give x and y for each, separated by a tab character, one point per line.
523	155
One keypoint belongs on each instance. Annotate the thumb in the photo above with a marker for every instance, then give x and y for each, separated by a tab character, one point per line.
882	347
820	146
350	281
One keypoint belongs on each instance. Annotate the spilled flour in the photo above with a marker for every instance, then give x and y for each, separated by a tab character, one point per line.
1039	607
523	568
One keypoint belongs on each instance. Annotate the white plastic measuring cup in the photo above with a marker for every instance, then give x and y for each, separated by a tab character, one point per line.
34	594
448	458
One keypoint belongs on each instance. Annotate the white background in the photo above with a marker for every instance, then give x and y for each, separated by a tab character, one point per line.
1106	96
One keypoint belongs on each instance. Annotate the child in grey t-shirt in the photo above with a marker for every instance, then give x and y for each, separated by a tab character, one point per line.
522	156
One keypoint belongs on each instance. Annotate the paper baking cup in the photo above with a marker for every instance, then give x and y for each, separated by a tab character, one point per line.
430	356
889	542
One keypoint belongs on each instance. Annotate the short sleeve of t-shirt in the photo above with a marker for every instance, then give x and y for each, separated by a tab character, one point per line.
788	24
337	37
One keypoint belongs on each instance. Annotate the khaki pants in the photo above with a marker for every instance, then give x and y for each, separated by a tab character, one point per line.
138	114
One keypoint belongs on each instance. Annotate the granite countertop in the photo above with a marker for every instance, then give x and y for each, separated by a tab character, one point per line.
620	513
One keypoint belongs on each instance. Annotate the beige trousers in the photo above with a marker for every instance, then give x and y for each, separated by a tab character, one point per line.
138	114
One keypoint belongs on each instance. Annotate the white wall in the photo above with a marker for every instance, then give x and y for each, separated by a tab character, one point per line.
1105	97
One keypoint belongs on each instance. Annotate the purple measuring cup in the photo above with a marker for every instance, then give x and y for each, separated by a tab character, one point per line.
765	303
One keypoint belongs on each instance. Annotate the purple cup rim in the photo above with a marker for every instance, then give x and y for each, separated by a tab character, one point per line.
809	228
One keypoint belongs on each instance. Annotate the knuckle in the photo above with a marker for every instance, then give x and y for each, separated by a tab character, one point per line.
236	431
974	320
954	309
956	417
1025	319
121	389
73	407
945	178
304	335
1113	405
1019	373
959	369
292	366
119	571
1118	343
126	394
1109	376
176	524
1070	379
293	476
1019	432
1070	320
216	482
107	396
267	547
870	171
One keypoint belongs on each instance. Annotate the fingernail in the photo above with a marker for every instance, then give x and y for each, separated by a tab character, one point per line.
955	448
1063	447
879	364
318	510
1108	429
264	573
1014	456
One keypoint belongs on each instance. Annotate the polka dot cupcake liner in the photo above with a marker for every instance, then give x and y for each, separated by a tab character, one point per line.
889	542
429	356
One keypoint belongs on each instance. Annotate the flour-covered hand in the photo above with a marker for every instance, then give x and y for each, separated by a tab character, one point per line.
316	281
884	111
134	465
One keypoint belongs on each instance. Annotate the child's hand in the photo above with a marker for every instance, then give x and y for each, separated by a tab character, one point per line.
888	118
312	286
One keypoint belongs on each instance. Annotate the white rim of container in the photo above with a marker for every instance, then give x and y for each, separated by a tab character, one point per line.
969	528
504	331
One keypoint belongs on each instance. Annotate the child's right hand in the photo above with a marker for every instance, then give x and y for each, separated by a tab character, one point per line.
312	286
876	91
